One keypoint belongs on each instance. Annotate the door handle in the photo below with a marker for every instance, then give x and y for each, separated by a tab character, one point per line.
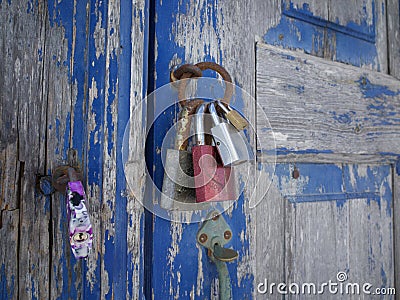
213	234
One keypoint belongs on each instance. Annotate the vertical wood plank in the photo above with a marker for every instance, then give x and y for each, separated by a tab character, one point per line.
9	164
47	88
393	25
396	222
22	41
98	279
224	32
9	254
134	31
63	92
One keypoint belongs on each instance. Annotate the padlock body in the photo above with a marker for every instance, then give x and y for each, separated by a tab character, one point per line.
232	145
80	227
213	181
178	182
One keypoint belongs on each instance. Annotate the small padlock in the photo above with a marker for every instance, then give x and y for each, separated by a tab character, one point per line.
232	145
233	116
178	182
213	181
80	227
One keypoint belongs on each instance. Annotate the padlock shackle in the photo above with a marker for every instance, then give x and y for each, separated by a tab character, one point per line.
222	106
214	114
200	137
183	124
188	71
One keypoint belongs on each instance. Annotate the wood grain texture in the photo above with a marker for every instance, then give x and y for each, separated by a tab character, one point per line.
312	103
396	221
323	238
24	215
48	106
393	23
224	32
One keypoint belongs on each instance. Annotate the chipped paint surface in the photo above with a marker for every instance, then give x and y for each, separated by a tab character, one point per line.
75	72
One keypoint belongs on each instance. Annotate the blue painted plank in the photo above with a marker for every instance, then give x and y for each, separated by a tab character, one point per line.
61	13
165	265
96	73
300	28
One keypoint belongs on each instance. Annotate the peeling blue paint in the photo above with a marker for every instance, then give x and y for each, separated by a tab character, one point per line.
299	28
345	118
342	184
370	90
33	290
298	88
286	151
5	292
294	34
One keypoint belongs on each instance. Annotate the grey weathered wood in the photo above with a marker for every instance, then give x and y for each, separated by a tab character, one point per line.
329	158
396	223
393	24
22	37
9	253
323	238
58	95
36	99
313	103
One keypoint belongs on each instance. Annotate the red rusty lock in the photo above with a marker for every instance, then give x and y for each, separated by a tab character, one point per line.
213	181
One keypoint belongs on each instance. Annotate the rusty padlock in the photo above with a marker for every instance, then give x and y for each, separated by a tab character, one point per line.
178	182
213	181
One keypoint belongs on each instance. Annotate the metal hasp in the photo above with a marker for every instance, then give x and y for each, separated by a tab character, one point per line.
213	234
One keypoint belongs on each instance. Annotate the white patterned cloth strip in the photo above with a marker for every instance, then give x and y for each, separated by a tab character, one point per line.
80	228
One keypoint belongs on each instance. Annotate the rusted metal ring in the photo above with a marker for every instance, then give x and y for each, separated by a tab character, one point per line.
204	66
192	70
63	174
224	74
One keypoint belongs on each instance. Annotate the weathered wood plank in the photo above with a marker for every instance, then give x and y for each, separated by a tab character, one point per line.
312	103
329	158
393	24
396	222
22	41
270	216
9	254
133	65
224	32
60	94
323	237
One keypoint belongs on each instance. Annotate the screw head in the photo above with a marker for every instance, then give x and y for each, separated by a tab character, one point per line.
203	238
215	218
227	234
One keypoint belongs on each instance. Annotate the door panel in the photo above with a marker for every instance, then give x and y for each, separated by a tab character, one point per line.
324	107
352	32
334	218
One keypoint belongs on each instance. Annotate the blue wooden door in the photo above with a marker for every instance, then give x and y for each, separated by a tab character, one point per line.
75	74
333	216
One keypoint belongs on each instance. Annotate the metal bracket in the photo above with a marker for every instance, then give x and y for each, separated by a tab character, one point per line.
214	234
62	173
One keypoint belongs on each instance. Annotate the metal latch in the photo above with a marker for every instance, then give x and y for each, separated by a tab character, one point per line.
214	234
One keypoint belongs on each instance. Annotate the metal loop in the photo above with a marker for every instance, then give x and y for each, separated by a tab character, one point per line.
204	66
192	70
